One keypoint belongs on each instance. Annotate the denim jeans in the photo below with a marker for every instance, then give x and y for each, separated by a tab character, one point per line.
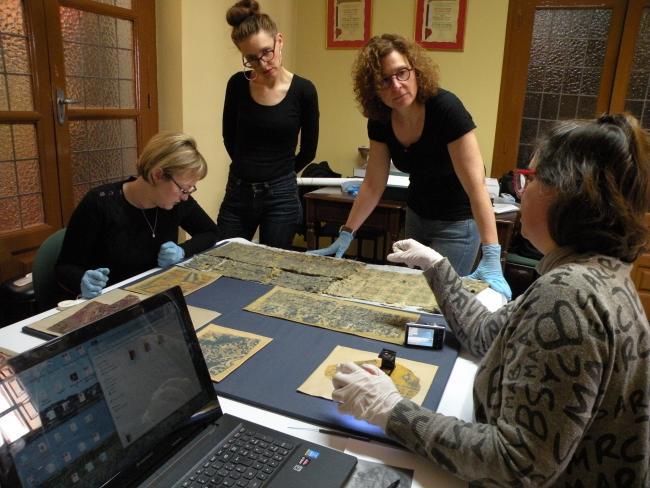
458	240
273	206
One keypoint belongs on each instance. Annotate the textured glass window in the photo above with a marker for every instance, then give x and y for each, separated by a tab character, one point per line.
21	197
15	74
98	57
102	151
637	100
564	72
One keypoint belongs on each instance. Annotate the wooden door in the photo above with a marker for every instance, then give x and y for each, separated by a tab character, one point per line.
78	104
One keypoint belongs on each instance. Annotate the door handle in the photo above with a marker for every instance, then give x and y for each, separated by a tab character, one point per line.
61	103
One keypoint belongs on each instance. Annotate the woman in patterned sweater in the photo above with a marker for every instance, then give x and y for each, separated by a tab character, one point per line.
562	392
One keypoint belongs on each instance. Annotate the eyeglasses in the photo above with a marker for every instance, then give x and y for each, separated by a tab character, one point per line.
181	189
250	60
402	74
521	178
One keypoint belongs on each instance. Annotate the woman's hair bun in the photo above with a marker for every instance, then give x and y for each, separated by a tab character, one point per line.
241	11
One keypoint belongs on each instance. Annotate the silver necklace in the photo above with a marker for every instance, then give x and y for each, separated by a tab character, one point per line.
155	223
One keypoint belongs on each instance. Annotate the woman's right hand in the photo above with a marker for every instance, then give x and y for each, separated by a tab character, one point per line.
338	247
412	253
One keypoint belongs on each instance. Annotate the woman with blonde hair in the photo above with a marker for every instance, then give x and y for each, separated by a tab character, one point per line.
121	229
266	110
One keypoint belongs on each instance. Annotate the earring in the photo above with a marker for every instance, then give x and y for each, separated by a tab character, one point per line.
250	75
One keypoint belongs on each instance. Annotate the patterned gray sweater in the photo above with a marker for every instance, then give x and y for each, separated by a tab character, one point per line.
562	392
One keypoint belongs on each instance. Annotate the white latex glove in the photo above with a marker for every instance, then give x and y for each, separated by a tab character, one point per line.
412	253
365	392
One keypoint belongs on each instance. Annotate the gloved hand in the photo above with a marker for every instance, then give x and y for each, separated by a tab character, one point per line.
412	253
170	253
365	392
338	247
489	270
93	282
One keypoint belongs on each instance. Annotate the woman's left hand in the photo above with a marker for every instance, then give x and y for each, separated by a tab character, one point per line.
489	270
170	253
365	392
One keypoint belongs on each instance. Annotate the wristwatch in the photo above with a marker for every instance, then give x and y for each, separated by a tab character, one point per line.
346	229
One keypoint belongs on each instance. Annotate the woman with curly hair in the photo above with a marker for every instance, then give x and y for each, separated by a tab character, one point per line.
427	133
267	109
562	390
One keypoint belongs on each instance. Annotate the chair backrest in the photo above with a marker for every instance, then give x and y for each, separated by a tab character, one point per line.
46	290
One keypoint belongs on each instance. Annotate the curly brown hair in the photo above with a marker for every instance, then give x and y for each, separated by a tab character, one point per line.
367	74
246	20
600	171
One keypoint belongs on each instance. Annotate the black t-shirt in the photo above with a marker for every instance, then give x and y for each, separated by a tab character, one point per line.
435	192
261	140
106	231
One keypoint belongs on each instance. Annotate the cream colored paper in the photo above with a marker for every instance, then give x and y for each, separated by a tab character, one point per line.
226	349
335	314
61	322
189	280
85	312
412	378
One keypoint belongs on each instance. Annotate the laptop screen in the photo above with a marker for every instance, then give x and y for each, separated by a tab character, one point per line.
82	408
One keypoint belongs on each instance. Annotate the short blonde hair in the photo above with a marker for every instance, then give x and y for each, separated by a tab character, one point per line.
173	152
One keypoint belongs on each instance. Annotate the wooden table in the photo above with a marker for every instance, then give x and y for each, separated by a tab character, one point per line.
331	205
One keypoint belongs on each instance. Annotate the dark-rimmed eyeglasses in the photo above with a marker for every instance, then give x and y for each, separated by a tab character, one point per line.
250	60
402	74
189	191
521	178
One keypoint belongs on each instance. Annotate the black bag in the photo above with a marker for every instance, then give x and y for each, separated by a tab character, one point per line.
319	170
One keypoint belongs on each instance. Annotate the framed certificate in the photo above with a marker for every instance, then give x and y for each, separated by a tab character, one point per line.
348	23
440	24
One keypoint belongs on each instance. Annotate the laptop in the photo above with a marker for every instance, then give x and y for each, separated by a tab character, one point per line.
128	401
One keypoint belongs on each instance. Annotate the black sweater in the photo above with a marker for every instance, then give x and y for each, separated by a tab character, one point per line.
261	140
106	231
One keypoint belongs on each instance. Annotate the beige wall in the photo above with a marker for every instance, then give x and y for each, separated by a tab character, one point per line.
474	74
195	60
196	57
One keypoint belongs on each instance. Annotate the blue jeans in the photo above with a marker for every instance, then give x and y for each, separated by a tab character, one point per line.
458	240
273	206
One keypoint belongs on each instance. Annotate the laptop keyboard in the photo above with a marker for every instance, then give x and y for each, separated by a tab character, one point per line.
246	458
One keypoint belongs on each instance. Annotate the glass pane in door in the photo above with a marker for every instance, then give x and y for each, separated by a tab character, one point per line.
637	99
21	197
102	151
99	59
15	74
567	55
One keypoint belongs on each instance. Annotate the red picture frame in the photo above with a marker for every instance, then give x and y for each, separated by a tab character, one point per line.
449	16
348	23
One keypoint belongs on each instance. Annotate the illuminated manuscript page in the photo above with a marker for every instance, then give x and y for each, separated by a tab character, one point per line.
335	314
412	378
188	279
226	349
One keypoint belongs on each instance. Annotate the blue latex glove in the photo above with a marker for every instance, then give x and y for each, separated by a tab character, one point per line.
93	282
338	247
170	253
489	270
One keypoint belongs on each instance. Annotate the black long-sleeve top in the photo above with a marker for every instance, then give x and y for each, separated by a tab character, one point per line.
261	140
106	231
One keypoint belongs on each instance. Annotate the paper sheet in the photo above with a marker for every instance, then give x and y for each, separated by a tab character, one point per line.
412	378
188	279
334	314
225	349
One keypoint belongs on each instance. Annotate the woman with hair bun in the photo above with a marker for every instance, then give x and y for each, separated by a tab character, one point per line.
266	109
